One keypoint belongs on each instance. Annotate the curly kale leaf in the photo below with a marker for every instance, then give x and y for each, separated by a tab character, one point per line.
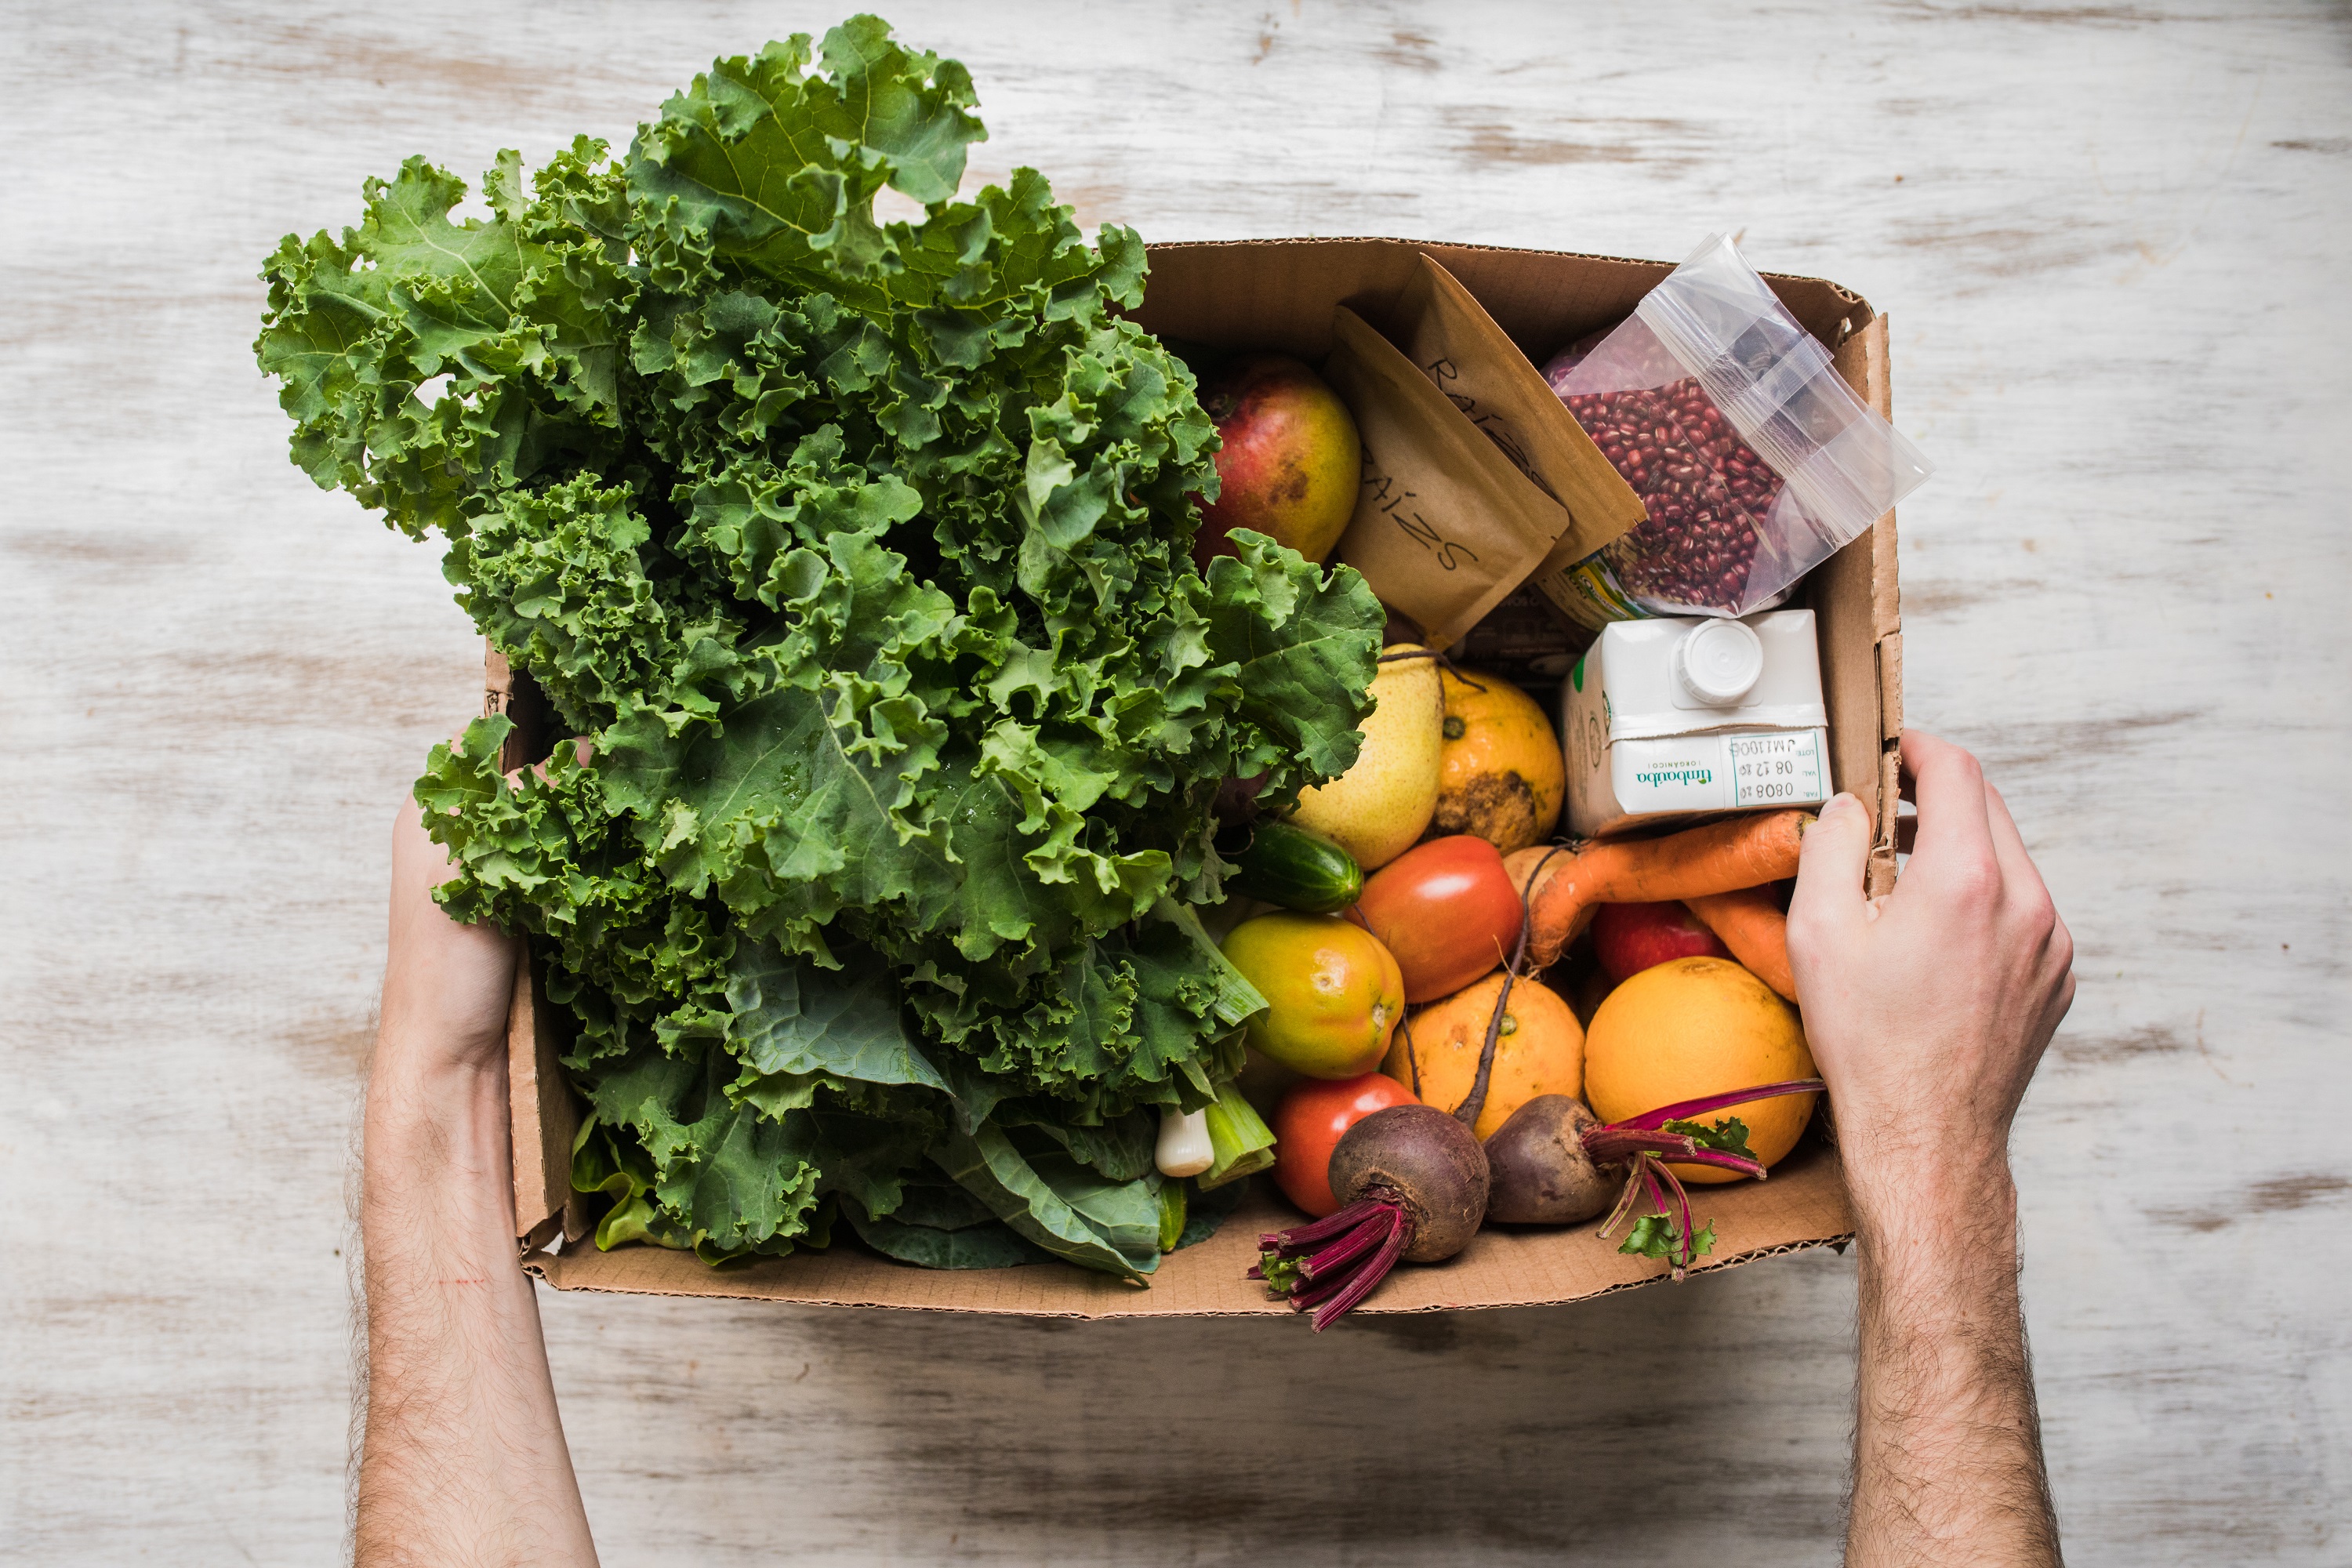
853	557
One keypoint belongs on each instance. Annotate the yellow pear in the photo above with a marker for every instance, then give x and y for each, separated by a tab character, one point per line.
1378	809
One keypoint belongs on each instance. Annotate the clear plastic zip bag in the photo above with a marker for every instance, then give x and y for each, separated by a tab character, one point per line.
1755	462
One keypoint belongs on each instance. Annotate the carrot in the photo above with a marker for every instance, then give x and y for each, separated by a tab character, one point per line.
1749	922
1563	889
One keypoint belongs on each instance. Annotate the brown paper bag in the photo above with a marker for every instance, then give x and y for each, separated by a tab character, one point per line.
1444	526
1448	334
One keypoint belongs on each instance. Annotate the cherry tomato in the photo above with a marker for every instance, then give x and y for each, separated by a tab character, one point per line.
1308	1124
1447	910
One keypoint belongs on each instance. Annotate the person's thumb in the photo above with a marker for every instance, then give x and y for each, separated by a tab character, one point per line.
1830	906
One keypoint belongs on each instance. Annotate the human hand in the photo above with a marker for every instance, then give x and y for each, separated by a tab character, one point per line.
1928	1009
446	986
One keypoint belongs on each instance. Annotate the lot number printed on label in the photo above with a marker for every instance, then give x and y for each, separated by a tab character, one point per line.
1767	770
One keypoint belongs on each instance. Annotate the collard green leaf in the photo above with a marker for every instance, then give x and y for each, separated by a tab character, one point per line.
986	1244
1058	1203
1208	1210
1120	1149
938	1204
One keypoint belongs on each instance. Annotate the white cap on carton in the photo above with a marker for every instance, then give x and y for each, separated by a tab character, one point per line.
1719	662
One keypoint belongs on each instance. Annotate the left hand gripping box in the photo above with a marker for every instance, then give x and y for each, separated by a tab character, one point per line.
1280	295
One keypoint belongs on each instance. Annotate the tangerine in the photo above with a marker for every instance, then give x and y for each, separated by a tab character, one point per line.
1500	771
1697	1026
1541	1049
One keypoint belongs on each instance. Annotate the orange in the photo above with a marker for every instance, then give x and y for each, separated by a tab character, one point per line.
1693	1027
1333	992
1539	1051
1500	771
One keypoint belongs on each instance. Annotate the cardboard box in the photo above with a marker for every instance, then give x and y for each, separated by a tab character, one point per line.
1280	294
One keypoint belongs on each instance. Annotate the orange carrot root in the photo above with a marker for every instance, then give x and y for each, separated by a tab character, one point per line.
1749	922
1720	857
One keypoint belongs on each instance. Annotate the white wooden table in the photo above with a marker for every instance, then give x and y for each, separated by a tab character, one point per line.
2112	242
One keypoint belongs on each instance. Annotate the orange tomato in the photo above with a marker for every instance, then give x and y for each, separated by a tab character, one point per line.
1333	992
1539	1050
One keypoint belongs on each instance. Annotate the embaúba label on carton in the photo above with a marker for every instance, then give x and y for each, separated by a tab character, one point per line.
1667	719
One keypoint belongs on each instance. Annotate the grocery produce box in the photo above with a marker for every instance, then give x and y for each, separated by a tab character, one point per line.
1282	295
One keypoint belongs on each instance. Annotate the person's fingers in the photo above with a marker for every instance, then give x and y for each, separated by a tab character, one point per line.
2018	872
418	864
2025	894
1829	904
1954	836
2023	888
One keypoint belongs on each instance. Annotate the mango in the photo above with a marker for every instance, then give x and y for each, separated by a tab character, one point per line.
1333	992
1291	462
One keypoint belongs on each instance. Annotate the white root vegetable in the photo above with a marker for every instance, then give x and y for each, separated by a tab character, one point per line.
1185	1148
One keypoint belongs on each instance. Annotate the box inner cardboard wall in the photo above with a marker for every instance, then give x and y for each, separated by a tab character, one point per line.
1279	295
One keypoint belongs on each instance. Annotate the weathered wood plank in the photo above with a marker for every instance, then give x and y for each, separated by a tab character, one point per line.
2109	239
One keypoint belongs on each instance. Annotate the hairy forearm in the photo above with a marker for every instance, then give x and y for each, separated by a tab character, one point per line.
464	1459
1947	1458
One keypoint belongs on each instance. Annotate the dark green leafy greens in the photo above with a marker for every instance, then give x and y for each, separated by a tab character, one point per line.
1670	1234
1729	1136
857	555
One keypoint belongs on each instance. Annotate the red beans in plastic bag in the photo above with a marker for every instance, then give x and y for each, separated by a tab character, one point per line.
1706	490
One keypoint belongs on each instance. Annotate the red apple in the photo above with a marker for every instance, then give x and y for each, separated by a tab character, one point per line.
1630	938
1291	462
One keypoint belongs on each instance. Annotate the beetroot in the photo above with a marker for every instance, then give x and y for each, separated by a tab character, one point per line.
1413	1182
1542	1173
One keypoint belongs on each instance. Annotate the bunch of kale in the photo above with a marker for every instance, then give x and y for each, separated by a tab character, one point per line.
857	555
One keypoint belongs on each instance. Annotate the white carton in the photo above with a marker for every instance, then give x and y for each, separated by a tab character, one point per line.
1669	718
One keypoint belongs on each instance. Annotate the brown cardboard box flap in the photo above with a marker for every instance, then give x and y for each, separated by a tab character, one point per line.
1277	294
1803	1205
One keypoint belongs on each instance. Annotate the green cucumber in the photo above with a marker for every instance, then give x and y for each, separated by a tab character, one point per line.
1288	865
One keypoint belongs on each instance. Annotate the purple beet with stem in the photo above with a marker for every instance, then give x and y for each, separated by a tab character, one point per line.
1411	1183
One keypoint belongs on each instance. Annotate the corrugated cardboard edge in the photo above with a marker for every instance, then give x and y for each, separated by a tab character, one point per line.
1866	698
544	1113
1513	285
1499	1269
546	1118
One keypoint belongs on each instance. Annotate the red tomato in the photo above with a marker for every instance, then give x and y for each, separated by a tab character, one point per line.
1447	910
1308	1123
